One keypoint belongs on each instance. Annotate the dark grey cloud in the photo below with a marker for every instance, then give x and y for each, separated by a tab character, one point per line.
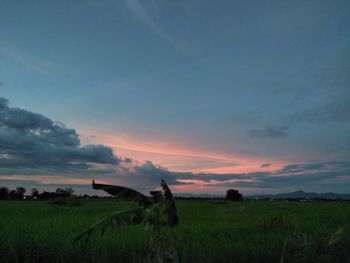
31	143
207	177
269	132
3	103
323	166
150	172
296	168
315	176
128	160
146	175
296	175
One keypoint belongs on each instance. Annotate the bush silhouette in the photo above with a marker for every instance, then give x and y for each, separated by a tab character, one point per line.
234	195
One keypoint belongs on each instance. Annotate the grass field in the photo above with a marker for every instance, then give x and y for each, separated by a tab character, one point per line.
209	231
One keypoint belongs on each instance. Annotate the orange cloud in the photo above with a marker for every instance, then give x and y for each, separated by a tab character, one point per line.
179	155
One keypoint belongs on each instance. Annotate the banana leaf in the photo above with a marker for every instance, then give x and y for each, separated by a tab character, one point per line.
123	193
170	208
119	218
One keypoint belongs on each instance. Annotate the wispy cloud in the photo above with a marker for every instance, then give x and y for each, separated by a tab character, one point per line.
141	13
34	63
269	132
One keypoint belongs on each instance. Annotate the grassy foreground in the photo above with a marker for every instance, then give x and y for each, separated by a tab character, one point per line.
209	231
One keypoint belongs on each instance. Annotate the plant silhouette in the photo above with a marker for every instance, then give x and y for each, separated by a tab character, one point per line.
157	211
234	195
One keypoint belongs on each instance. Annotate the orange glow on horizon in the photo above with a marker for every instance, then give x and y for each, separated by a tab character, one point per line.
175	155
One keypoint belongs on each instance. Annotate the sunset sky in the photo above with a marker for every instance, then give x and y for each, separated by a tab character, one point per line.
208	95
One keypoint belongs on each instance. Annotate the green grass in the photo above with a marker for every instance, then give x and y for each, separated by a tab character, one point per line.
209	231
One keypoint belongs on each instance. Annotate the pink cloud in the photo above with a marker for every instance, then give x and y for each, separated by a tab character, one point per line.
177	155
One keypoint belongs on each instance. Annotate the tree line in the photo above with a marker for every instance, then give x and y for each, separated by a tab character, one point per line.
19	193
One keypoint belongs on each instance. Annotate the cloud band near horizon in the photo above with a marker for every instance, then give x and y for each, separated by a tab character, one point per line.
36	151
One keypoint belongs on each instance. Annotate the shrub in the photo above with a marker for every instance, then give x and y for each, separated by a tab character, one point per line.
234	195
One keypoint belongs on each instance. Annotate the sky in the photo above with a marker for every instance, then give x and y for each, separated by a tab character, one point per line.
251	95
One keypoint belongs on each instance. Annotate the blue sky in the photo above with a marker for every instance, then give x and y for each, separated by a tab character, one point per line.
192	86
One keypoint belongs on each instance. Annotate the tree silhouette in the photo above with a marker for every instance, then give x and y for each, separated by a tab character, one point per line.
20	191
35	192
67	192
13	194
4	192
234	195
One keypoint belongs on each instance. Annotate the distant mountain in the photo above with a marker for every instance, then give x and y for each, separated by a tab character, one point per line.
302	195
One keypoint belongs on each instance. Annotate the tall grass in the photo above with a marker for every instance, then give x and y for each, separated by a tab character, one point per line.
35	231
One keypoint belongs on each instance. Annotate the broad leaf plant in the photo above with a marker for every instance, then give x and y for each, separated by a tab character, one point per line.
154	212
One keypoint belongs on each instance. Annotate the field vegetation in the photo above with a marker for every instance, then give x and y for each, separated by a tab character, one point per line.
208	231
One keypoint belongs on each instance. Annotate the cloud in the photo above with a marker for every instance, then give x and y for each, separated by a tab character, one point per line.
141	13
324	166
295	175
35	63
27	61
270	132
39	152
32	143
3	103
